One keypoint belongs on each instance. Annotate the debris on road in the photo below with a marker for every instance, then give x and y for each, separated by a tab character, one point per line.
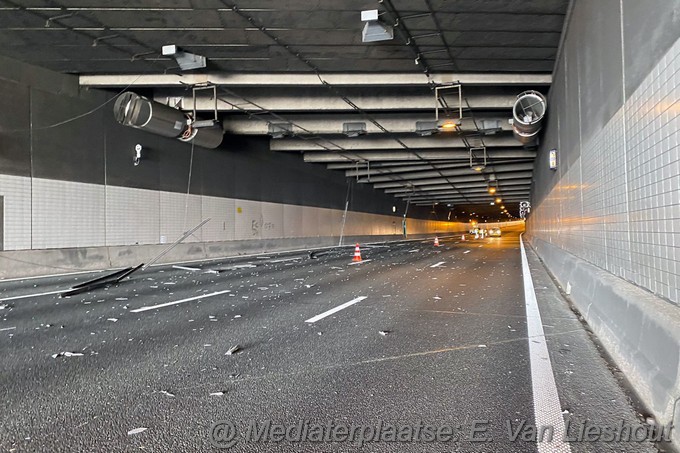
166	393
218	393
384	332
481	346
233	350
67	354
132	432
112	319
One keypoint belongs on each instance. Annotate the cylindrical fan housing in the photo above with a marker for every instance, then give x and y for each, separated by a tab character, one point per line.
131	109
528	113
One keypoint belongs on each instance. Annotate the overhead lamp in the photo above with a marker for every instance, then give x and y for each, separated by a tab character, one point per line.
490	127
498	200
280	130
492	190
492	203
503	208
354	129
374	30
186	60
448	125
478	163
425	128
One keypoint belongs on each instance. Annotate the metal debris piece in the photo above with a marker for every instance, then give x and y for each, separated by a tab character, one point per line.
112	319
481	346
233	350
186	268
67	354
218	393
132	432
166	393
237	316
384	332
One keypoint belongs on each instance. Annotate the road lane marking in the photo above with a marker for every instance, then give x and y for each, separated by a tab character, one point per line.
168	304
359	262
335	310
438	264
26	296
547	408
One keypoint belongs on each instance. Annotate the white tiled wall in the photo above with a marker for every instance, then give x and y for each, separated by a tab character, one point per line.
132	216
628	178
41	213
16	193
67	214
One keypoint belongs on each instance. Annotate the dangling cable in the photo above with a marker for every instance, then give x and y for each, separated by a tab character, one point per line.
186	198
344	215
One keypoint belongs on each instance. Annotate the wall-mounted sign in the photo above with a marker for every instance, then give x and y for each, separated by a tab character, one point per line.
553	159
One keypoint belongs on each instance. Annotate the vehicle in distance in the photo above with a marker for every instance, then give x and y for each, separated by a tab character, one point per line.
495	232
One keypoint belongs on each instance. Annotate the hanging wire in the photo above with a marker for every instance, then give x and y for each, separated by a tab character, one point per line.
77	117
186	198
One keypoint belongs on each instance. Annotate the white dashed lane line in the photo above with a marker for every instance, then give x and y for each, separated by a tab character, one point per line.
335	310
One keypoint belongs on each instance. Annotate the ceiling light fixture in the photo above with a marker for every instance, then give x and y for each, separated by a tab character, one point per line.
478	163
186	60
280	130
374	30
425	128
354	129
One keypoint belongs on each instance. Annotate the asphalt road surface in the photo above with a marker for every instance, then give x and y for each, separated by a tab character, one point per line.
415	339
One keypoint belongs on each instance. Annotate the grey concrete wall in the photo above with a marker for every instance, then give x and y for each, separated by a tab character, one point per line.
607	221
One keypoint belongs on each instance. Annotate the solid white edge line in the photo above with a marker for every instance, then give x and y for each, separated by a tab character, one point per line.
168	304
26	296
335	310
438	264
547	407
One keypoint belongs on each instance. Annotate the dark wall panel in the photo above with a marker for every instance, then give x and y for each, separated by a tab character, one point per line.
73	151
15	145
597	28
647	37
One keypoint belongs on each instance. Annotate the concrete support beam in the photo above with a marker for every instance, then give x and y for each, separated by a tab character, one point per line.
407	155
446	173
307	79
458	190
405	191
291	100
441	141
331	124
480	177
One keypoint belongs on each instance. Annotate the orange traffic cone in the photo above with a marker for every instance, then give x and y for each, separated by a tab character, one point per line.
436	241
357	253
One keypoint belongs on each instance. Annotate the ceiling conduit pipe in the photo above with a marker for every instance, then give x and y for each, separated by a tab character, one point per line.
527	116
131	109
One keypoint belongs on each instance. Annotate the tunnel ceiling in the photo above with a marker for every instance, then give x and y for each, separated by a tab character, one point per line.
303	63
